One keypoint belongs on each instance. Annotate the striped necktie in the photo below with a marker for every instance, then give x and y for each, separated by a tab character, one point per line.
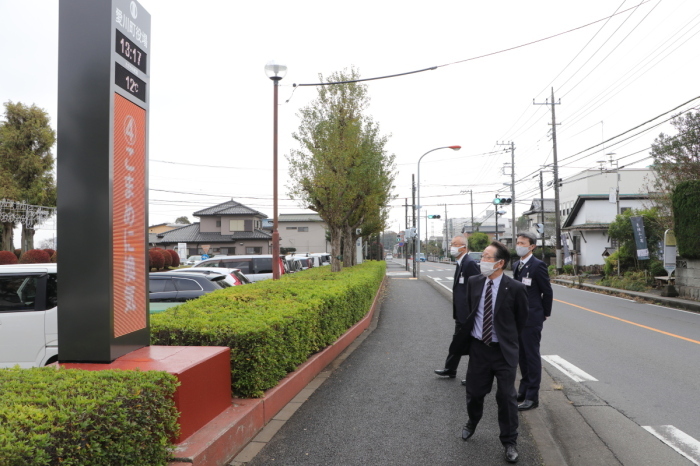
487	328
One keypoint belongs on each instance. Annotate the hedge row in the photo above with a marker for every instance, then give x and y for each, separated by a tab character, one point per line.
78	417
686	218
272	326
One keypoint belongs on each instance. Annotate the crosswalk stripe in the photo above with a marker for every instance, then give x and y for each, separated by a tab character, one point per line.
568	369
678	440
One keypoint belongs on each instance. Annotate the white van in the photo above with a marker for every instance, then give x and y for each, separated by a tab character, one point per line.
28	315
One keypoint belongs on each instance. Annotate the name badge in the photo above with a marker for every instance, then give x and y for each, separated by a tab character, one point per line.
461	280
527	281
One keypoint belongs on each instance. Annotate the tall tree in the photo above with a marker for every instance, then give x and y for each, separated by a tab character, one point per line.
26	164
676	159
341	170
183	220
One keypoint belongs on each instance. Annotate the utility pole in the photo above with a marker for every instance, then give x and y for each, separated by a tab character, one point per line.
512	187
413	177
557	217
542	211
445	243
405	240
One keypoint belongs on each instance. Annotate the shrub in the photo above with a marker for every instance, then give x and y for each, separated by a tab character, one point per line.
50	251
174	256
77	417
167	258
568	269
35	256
686	218
54	258
552	270
274	325
18	253
155	259
7	257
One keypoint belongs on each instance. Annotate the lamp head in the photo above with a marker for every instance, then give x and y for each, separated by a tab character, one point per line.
275	70
455	147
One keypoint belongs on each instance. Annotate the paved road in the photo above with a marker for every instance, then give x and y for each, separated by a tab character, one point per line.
383	404
644	359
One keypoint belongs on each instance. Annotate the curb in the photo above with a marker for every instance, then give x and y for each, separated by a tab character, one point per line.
226	435
686	304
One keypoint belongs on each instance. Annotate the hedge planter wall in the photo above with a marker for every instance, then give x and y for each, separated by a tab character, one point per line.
77	417
272	326
686	218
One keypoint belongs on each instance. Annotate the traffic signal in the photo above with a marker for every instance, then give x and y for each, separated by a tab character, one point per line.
433	216
502	201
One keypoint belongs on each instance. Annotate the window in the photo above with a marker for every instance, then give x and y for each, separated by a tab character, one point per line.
236	225
302	229
185	284
263	265
51	291
17	293
291	228
243	265
218	223
624	209
256	250
156	285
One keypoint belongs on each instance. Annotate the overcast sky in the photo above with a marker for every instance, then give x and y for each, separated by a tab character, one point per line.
211	103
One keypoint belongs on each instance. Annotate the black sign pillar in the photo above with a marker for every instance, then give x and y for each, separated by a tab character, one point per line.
103	96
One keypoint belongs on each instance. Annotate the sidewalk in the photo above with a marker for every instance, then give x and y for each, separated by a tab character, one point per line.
384	405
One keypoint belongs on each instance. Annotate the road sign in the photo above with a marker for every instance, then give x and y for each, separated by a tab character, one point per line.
669	252
205	256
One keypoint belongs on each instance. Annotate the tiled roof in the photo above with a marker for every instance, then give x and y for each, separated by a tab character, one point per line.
229	208
191	234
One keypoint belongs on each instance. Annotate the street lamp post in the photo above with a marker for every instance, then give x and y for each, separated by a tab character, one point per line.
275	71
418	206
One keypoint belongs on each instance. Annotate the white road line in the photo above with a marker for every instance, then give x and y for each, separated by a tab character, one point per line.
437	280
678	440
569	369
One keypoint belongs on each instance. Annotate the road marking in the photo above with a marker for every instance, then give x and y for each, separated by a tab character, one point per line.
437	280
569	369
392	274
678	440
630	322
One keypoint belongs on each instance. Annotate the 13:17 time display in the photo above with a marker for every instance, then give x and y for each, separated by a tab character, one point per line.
131	52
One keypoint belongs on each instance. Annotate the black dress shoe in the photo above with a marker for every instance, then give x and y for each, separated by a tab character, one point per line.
520	398
468	430
464	382
446	373
528	404
511	454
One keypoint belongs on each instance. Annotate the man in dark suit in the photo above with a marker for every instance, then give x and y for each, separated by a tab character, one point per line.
466	267
497	312
533	273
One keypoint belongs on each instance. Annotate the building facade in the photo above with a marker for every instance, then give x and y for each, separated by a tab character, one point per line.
303	233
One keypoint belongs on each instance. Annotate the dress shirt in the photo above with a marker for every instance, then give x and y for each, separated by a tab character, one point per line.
479	319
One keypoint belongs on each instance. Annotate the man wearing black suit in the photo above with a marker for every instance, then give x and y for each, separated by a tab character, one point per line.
533	273
466	267
497	312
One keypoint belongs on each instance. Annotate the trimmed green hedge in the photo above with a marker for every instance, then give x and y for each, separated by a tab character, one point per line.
272	326
78	417
686	218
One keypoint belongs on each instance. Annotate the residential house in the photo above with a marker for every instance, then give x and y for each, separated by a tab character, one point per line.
303	232
225	229
538	207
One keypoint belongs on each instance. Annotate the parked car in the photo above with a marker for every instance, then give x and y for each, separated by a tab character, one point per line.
292	265
178	287
28	315
476	256
389	257
421	258
233	276
324	258
193	260
254	267
304	262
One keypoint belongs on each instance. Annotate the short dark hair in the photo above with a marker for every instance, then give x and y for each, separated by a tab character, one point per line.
528	235
502	253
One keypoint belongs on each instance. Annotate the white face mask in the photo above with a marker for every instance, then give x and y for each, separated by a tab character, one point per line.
487	268
522	250
454	251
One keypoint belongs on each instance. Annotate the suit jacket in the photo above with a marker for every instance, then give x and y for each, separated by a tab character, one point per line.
467	268
509	313
539	293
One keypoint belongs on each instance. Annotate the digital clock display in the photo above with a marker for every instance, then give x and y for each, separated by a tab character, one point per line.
130	83
131	52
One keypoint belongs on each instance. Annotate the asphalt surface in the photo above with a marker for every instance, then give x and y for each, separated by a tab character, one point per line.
383	404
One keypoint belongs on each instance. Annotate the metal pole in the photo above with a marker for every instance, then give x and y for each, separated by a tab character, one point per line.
542	212
556	187
512	190
495	209
413	248
275	232
617	206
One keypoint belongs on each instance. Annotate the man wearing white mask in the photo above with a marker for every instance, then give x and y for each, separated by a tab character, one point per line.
466	267
497	307
533	273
